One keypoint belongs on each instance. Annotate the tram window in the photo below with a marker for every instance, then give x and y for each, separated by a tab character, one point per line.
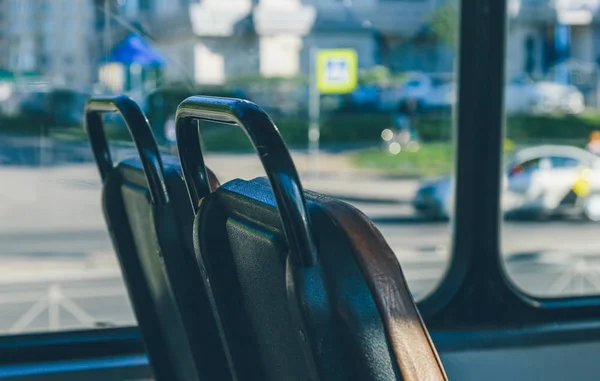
551	214
384	145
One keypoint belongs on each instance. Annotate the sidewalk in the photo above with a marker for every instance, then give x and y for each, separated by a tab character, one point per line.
337	176
94	266
50	199
68	197
53	228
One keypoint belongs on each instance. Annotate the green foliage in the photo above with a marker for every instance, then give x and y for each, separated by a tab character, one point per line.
258	79
338	129
433	127
431	160
522	129
32	125
361	128
553	127
444	24
162	103
379	75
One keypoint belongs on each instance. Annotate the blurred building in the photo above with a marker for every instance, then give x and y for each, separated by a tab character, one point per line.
52	38
4	4
215	40
543	33
211	41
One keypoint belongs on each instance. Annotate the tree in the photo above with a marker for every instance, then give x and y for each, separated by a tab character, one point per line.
379	75
444	24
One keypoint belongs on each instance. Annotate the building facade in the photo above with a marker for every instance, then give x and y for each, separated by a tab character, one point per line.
213	41
52	38
544	33
4	5
274	37
222	39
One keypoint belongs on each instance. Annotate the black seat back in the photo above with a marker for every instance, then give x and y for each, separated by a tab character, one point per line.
150	220
304	287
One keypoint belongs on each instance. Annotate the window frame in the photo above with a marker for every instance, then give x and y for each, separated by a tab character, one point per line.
23	349
476	292
100	354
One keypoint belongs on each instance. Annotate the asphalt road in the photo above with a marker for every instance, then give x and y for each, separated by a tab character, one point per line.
57	269
557	258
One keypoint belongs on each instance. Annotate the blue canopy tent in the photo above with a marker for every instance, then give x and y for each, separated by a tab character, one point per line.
141	61
135	50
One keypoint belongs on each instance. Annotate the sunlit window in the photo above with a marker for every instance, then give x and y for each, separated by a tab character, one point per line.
362	91
550	198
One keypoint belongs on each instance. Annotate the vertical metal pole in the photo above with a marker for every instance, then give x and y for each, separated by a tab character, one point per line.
314	110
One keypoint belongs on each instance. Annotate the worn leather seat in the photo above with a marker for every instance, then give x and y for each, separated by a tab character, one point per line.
304	287
150	220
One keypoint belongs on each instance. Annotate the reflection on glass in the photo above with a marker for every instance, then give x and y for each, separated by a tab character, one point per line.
551	178
385	146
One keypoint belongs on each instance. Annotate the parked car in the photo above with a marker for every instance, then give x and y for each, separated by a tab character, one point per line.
366	96
442	94
542	181
56	107
432	91
524	95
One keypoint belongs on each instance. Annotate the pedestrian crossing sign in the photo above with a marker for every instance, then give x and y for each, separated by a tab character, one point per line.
337	71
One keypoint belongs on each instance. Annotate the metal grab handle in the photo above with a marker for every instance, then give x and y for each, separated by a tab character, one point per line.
140	132
273	154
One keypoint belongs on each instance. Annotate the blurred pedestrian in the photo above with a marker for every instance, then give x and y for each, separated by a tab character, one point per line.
593	145
404	113
403	118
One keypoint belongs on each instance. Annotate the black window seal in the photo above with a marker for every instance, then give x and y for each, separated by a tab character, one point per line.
476	292
478	153
73	345
542	335
124	367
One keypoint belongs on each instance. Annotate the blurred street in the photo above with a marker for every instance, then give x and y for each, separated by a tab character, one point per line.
57	268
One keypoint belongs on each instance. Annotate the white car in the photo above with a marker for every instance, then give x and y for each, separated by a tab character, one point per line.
523	95
526	96
432	91
544	181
